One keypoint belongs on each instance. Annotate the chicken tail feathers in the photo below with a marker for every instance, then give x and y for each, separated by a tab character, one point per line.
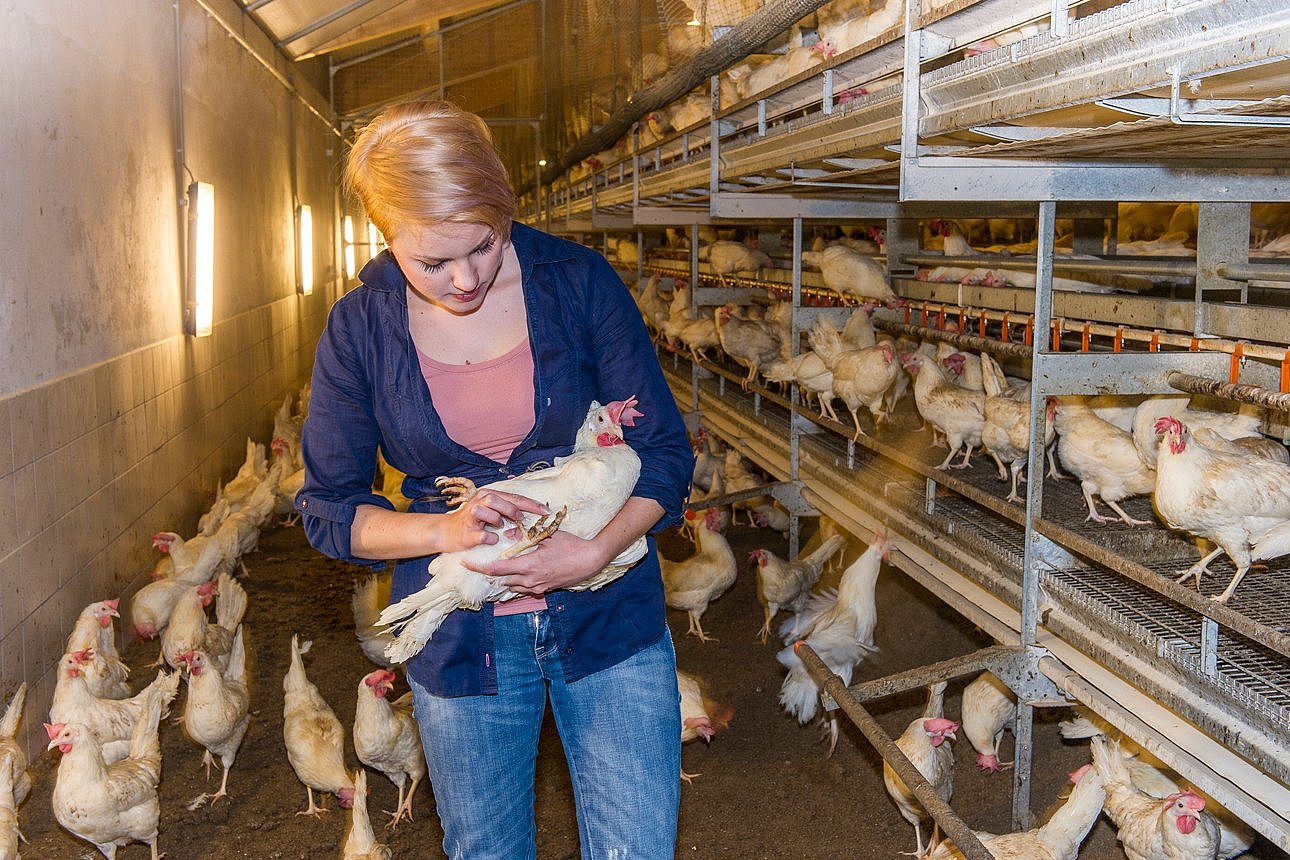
231	603
415	618
236	670
798	695
13	713
1274	544
144	742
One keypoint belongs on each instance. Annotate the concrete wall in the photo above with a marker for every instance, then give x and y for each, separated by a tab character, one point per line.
113	423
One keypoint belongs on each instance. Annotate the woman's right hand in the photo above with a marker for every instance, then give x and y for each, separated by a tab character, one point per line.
467	526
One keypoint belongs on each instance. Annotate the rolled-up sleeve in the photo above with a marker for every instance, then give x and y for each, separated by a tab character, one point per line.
628	365
340	439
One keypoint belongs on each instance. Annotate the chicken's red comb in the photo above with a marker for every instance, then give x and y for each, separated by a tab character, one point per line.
380	676
1168	424
1077	775
54	729
113	603
82	655
624	412
940	725
184	657
1190	798
206	589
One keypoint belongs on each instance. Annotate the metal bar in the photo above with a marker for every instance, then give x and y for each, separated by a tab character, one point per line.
1239	392
985	659
1147	578
1253	272
318	24
967	341
941	813
1181	268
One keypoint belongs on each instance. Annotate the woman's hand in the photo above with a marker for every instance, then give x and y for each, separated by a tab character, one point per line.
559	561
467	526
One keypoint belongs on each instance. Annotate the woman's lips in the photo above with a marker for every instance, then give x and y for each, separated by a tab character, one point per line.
466	297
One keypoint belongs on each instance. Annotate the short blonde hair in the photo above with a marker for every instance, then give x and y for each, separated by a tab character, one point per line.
426	163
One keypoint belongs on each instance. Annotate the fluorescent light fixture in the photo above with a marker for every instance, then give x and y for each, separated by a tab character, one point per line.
199	287
373	239
306	246
350	267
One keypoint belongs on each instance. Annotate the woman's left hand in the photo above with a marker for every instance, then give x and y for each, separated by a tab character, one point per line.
559	561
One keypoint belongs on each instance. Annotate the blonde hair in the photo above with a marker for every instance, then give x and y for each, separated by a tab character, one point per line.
429	162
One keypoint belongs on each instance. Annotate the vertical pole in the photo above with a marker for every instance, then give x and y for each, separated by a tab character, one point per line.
1024	728
794	419
694	307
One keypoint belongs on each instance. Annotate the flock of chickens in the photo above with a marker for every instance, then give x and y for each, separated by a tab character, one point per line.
106	785
1156	817
1209	469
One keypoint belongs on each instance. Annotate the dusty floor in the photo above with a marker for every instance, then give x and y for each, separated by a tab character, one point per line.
766	790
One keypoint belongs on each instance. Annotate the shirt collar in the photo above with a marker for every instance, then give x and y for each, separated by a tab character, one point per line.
532	247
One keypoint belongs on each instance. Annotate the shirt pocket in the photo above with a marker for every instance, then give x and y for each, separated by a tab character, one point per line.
564	405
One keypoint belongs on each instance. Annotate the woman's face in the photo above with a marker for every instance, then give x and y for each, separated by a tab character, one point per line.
451	266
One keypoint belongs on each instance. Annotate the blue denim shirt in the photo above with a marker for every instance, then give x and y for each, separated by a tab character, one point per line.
588	342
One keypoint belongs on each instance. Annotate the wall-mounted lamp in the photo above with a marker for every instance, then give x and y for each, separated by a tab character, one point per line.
541	162
306	245
199	277
348	231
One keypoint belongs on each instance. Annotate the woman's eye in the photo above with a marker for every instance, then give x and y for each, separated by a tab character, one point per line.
431	267
484	249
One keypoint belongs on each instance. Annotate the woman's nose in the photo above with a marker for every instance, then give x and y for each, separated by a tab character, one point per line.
464	277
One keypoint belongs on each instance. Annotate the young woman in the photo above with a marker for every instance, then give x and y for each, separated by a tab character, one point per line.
473	348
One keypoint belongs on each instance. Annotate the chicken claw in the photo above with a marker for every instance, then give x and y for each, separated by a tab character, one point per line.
533	535
458	490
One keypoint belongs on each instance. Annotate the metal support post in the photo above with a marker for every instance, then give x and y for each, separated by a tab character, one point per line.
1222	239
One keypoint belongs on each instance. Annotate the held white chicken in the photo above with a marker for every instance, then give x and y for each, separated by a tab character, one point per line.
111	720
386	737
314	739
925	742
988	708
850	273
787	585
954	411
13	756
93	632
1102	456
1216	490
1173	828
189	629
583	491
692	584
110	804
360	841
1058	839
838	626
216	712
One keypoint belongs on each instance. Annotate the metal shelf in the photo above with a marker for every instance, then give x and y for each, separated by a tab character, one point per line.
974	554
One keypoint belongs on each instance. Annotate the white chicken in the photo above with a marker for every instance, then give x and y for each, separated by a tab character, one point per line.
954	411
751	343
838	626
988	708
314	739
94	636
727	257
1173	828
925	742
1058	839
861	377
811	374
110	804
360	841
216	712
850	273
1006	431
583	491
787	585
701	717
1229	425
111	720
386	737
692	584
1102	456
189	629
1209	487
13	755
371	596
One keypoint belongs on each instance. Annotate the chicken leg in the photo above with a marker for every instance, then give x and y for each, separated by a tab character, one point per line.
313	810
1199	569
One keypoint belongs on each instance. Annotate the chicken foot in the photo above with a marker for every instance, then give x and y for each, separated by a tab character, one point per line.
404	808
204	798
963	464
1199	569
696	629
541	529
457	490
313	810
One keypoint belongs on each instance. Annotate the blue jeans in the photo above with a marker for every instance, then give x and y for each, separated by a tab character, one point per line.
621	730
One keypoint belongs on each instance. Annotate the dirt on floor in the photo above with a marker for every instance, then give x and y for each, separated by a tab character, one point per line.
766	787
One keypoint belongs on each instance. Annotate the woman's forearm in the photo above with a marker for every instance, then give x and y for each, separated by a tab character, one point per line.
378	533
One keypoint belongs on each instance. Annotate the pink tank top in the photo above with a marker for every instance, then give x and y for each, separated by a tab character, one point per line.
492	425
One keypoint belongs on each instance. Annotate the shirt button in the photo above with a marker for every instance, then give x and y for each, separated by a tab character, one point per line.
304	503
568	650
559	607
